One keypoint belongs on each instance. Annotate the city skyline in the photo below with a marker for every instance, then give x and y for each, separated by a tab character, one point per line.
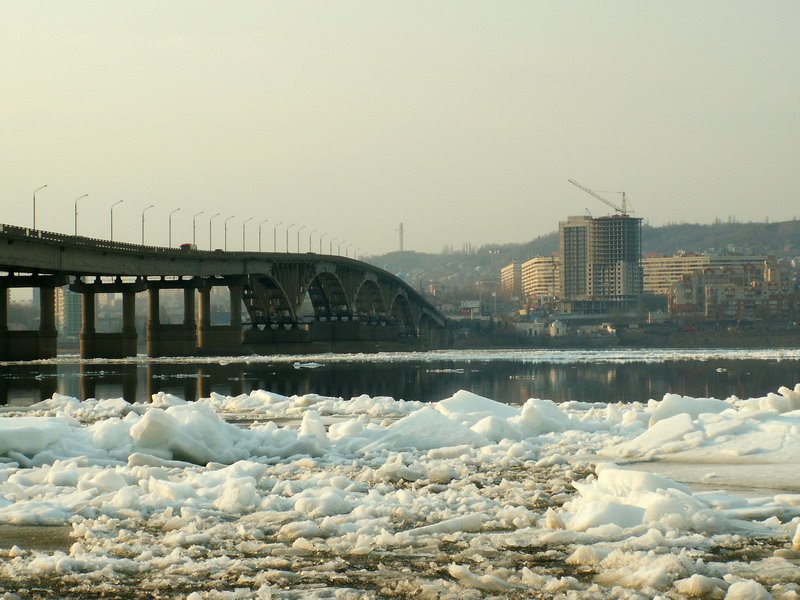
463	121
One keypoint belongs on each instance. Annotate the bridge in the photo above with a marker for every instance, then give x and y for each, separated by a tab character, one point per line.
295	302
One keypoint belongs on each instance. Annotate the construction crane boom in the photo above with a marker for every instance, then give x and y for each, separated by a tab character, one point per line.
623	210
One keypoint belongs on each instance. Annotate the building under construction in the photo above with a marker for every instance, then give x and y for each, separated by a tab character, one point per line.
601	264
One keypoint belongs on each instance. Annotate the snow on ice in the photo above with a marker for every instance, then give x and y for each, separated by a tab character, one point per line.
309	496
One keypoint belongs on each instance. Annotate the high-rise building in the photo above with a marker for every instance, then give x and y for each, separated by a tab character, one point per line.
601	264
68	312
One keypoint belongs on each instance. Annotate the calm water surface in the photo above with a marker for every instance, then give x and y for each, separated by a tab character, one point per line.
511	381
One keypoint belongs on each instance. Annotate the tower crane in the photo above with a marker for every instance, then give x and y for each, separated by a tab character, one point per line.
623	210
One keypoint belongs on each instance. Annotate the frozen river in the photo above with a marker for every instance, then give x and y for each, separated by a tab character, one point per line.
505	375
508	474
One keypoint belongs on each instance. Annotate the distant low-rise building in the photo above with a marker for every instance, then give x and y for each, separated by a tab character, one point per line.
557	329
470	308
535	329
762	291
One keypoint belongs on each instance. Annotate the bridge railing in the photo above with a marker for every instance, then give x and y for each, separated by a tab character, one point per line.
98	243
83	241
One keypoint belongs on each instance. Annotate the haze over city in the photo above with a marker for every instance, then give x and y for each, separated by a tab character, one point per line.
463	120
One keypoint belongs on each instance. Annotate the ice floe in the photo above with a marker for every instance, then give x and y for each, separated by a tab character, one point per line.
310	496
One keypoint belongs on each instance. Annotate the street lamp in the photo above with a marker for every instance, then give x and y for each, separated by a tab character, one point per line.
313	231
243	230
299	229
76	212
225	244
144	211
259	233
275	236
209	229
323	236
346	249
339	248
288	227
170	226
34	203
194	227
112	217
330	246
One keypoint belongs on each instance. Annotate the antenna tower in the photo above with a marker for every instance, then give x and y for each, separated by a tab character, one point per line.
400	232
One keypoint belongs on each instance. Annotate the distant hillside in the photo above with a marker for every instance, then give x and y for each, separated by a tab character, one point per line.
780	239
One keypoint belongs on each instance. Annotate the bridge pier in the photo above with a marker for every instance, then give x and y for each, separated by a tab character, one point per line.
223	340
48	336
164	339
120	344
32	344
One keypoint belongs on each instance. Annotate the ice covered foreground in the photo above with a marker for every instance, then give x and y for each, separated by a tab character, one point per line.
177	488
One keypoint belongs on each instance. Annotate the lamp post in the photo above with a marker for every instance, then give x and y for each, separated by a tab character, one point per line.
275	236
339	248
211	220
324	235
144	211
170	226
330	246
34	203
347	249
112	217
358	251
194	227
225	243
299	229
259	233
288	227
76	213
313	231
243	230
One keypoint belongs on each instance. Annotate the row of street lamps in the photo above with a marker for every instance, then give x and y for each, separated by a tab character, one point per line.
289	226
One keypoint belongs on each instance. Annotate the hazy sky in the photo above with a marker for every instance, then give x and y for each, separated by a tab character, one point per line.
462	119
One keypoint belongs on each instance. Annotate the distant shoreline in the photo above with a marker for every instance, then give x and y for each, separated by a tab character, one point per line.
696	340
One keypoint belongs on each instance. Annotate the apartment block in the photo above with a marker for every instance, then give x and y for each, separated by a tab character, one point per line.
662	272
511	280
540	278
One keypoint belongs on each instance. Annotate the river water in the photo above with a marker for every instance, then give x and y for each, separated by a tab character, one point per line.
506	376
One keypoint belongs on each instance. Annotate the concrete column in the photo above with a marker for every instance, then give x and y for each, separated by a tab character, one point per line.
129	312
47	309
204	317
87	313
3	309
153	318
205	307
236	305
188	307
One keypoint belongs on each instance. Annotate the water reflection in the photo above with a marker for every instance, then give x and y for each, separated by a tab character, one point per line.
505	381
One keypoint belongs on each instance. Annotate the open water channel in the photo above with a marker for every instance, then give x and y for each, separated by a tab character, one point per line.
506	376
